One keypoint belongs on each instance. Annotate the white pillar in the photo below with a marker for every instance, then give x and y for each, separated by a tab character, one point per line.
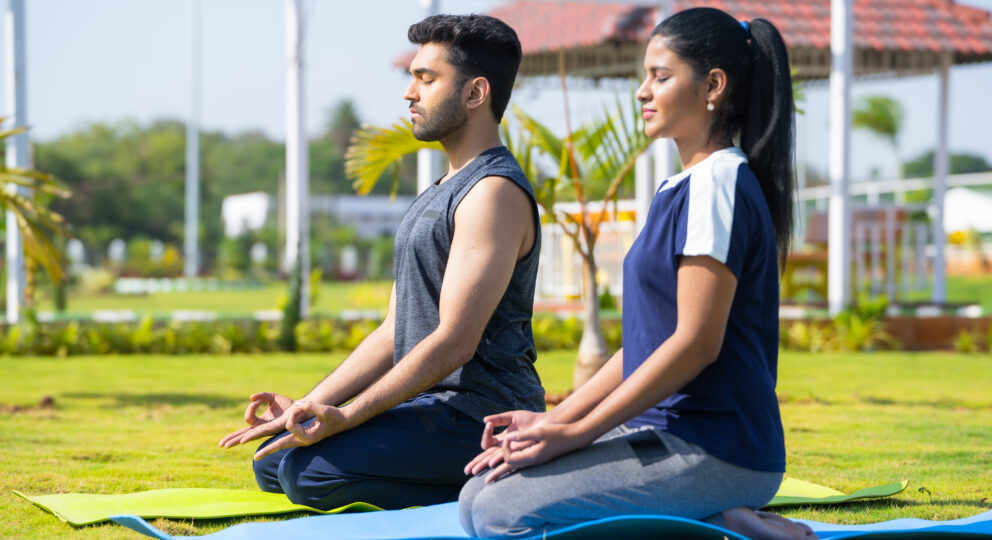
664	160
665	9
297	155
191	254
799	221
643	192
941	168
17	147
841	71
428	168
428	161
891	288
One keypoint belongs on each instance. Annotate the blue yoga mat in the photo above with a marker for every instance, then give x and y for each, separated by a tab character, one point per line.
441	522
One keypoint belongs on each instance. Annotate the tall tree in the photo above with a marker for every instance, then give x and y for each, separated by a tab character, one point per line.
127	179
342	123
961	163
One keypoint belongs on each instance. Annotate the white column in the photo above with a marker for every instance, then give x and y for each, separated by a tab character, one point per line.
799	219
17	147
665	9
297	155
428	168
643	192
191	254
664	160
841	71
432	7
891	288
941	168
428	161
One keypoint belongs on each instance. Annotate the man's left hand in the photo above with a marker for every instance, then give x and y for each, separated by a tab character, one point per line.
327	421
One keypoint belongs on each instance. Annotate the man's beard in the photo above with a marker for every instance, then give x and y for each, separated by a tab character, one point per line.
445	119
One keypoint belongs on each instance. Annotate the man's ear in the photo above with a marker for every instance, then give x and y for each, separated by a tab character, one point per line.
477	91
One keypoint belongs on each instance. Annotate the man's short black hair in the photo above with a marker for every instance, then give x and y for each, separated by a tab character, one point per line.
478	46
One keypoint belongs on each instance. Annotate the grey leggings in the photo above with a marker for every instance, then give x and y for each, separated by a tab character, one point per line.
625	471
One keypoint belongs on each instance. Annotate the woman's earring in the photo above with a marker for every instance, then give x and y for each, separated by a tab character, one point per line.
709	106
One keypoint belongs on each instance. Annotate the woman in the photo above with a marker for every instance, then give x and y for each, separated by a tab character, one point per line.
684	419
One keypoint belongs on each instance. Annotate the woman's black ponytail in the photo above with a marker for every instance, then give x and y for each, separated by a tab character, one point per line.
769	131
759	108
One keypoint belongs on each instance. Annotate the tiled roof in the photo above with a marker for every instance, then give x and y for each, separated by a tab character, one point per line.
879	25
550	26
933	25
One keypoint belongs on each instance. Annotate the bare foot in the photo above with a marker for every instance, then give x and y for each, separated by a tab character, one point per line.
765	525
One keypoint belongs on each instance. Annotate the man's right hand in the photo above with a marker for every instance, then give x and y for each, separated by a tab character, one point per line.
269	423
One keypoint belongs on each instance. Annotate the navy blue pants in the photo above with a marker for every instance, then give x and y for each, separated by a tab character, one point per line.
410	455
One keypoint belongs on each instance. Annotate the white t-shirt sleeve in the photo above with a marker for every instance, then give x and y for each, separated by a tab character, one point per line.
710	208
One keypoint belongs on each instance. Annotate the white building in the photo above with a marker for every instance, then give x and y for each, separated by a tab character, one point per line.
371	215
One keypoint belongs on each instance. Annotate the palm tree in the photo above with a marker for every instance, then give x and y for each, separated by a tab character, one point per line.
38	225
600	155
882	116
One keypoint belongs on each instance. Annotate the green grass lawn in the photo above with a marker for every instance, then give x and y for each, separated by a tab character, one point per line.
963	289
128	423
332	298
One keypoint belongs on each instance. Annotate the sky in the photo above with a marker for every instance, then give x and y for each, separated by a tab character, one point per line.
119	60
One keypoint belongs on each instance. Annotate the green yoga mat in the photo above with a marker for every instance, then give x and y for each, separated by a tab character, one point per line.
794	492
180	503
205	503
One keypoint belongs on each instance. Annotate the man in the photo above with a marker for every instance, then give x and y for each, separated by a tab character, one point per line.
456	344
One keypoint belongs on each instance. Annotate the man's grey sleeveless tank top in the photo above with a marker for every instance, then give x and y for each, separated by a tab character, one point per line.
501	375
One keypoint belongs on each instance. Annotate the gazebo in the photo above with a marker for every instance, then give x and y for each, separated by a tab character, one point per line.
835	39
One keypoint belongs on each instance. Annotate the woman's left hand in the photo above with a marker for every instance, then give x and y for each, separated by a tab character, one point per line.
540	444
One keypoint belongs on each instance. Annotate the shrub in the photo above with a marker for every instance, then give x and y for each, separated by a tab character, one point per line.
95	281
613	333
858	332
966	342
809	336
553	333
148	336
989	341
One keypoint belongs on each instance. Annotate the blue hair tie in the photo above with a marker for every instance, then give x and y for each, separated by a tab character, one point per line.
747	29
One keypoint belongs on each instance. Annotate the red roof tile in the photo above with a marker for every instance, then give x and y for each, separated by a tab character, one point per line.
934	25
907	25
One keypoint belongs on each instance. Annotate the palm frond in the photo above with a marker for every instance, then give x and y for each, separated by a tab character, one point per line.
544	139
38	225
38	244
39	182
374	149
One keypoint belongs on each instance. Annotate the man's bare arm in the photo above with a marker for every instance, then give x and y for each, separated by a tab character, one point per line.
494	227
368	362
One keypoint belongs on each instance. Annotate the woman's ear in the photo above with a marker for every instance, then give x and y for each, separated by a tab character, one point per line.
716	85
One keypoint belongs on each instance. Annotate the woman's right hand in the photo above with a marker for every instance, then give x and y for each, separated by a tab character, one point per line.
492	453
269	423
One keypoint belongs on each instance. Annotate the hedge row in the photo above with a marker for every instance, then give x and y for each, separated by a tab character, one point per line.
148	336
